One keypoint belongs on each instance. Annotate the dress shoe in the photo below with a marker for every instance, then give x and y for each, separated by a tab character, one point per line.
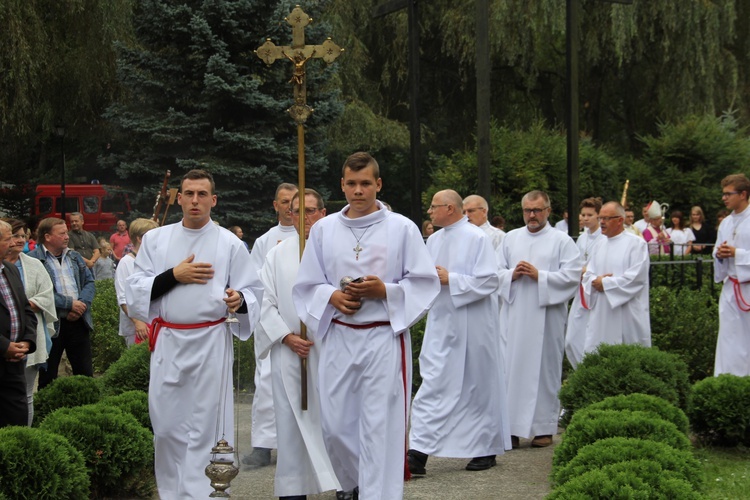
294	497
260	457
416	460
515	442
348	495
541	441
481	463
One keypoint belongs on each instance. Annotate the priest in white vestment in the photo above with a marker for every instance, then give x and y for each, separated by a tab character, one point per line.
460	407
615	285
302	464
187	276
575	331
540	269
732	267
263	435
363	331
476	210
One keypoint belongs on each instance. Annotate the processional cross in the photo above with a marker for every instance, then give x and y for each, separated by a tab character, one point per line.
299	54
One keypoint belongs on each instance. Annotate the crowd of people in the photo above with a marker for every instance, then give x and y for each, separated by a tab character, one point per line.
502	309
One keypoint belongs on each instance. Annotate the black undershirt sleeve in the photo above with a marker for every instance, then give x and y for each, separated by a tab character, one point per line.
166	282
163	283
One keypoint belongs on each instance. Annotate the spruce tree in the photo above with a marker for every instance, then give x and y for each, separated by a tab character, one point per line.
198	97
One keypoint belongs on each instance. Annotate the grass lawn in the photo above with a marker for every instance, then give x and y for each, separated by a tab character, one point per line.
727	472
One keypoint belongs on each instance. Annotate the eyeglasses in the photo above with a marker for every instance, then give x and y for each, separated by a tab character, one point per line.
433	207
607	219
727	194
308	211
535	211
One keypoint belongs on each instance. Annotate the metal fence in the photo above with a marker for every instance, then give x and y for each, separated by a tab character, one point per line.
679	271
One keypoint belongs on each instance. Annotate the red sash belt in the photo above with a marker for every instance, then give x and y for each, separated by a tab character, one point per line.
158	323
741	302
583	297
362	327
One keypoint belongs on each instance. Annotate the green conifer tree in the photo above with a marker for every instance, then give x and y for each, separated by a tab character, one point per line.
198	97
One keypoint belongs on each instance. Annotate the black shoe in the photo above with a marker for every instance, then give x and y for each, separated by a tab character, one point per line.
348	495
294	497
260	457
416	460
481	463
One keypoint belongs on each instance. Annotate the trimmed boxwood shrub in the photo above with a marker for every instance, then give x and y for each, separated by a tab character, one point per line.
36	464
619	449
106	344
644	402
589	426
133	402
720	413
65	392
685	321
118	451
129	373
625	369
636	479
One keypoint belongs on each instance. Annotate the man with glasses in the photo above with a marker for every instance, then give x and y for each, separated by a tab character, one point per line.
302	466
540	269
460	408
263	420
732	267
615	285
475	209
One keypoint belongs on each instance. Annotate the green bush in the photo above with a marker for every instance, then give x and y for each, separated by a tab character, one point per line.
106	344
625	369
417	336
129	373
40	465
133	402
620	449
636	479
686	322
118	451
244	361
589	426
65	392
644	402
720	411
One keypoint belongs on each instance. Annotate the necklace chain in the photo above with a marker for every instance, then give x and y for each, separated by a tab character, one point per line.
358	248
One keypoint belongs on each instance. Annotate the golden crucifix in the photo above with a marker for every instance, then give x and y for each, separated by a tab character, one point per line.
299	54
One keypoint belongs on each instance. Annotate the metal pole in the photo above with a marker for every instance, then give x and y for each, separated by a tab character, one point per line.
483	68
414	131
301	191
62	176
571	70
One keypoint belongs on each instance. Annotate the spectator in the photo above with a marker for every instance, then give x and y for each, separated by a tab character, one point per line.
705	235
720	216
82	241
120	240
38	288
74	293
629	222
562	224
682	237
427	229
104	267
237	230
499	222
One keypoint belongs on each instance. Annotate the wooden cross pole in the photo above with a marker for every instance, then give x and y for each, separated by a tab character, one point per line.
299	54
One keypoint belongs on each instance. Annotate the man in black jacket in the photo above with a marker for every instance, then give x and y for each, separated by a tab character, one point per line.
17	338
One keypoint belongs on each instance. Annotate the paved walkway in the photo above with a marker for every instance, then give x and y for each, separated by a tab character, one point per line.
519	474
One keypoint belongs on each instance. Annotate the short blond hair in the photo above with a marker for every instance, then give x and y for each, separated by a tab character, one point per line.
139	227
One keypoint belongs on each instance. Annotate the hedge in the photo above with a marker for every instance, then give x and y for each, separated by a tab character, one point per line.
633	480
625	369
620	449
65	392
720	411
40	465
129	373
647	403
133	402
589	426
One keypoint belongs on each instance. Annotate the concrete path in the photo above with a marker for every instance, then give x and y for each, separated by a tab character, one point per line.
519	474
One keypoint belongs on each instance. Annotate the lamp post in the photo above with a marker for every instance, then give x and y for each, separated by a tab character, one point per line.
60	131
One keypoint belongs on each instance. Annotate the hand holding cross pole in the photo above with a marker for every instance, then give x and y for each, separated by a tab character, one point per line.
299	54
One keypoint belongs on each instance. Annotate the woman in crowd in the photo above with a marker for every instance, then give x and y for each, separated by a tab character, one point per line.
427	229
38	287
705	235
682	237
